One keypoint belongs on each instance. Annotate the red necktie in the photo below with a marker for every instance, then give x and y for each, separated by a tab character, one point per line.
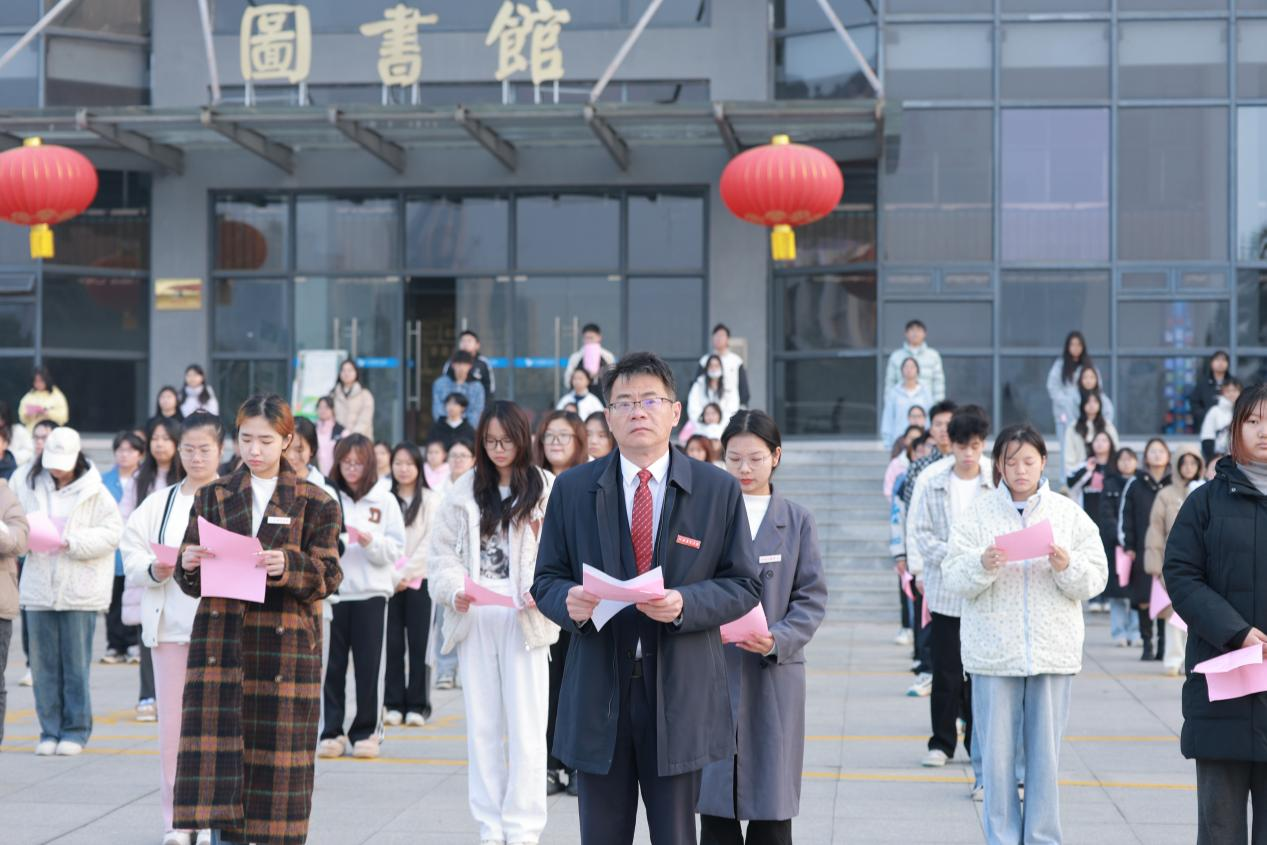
640	526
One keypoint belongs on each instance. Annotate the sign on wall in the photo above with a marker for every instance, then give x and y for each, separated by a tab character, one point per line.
177	294
275	42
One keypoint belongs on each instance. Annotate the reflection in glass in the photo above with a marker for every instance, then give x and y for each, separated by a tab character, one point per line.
1040	307
89	72
19	79
952	325
17	327
970	380
1251	184
1156	394
938	194
458	233
826	396
1055	61
813	66
1023	385
1172	184
96	312
249	315
251	233
346	233
666	232
1172	59
1178	324
237	381
589	225
898	7
847	235
797	15
666	315
1251	57
1055	184
115	230
105	395
1251	307
938	61
830	311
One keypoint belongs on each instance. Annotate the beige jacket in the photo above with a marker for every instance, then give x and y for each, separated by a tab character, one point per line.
13	531
418	534
1165	510
355	411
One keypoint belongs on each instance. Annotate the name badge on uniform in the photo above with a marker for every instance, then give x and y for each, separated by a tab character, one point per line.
770	559
279	520
683	540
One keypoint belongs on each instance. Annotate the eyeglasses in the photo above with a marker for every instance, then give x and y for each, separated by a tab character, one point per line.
557	439
753	461
650	405
503	445
348	464
196	452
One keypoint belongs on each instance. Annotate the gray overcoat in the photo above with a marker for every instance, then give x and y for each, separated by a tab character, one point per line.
767	694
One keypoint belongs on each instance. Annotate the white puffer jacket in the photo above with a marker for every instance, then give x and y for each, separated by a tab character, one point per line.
453	551
82	576
1023	618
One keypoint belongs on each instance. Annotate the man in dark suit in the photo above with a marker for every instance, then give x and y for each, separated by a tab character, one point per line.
644	703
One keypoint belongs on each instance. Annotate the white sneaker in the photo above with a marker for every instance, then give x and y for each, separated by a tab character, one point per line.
392	718
905	636
66	748
147	711
415	720
934	759
177	837
923	686
978	794
27	680
204	837
46	748
331	748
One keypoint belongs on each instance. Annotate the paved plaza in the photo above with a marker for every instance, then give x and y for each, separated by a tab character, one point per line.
1123	778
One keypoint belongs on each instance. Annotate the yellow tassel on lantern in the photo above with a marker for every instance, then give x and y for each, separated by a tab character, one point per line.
41	241
783	243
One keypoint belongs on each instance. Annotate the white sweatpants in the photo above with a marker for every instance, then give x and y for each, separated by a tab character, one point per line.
1176	646
506	689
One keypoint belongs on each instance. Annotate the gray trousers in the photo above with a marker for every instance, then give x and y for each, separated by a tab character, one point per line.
1224	787
6	634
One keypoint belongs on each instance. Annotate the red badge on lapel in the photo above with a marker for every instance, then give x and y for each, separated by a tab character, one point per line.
683	540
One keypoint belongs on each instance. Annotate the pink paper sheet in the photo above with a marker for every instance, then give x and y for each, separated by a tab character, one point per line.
907	578
1122	562
354	534
44	537
1158	600
167	555
1176	622
1235	674
234	572
752	622
646	587
401	563
1028	543
482	595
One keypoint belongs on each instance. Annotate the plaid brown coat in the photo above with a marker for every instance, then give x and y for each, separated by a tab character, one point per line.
253	683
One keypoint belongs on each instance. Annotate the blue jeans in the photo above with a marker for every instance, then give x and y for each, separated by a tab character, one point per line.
1038	708
446	664
1123	620
61	654
975	753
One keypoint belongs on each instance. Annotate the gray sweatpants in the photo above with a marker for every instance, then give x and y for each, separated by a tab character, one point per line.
1224	787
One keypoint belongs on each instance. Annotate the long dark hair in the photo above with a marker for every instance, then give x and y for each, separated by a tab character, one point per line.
158	403
81	466
580	445
205	396
526	484
721	379
338	376
1071	364
361	447
410	511
43	373
1083	422
1209	365
1019	436
147	476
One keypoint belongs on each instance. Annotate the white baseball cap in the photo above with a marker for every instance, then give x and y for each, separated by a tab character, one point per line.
61	449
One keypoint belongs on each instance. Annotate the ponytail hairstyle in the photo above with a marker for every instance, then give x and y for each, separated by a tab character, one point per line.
205	396
757	423
147	476
410	512
526	483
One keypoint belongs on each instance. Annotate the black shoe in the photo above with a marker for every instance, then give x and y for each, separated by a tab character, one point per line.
1148	651
554	784
574	783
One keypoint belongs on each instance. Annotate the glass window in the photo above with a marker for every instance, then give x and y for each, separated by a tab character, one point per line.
85	312
1055	185
24	12
346	233
806	14
1040	307
1023	388
1055	61
1048	6
1251	184
666	232
937	61
847	235
954	325
1154	395
126	17
237	381
828	311
115	230
816	65
1203	280
15	245
568	232
1251	57
17	325
1251	369
1170	5
970	381
670	12
826	396
1251	307
19	79
249	315
1145	280
458	233
15	378
903	282
938	193
667	315
251	233
104	395
1172	184
1178	324
899	7
87	72
1172	59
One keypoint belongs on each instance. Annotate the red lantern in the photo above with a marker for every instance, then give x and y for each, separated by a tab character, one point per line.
42	185
782	185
